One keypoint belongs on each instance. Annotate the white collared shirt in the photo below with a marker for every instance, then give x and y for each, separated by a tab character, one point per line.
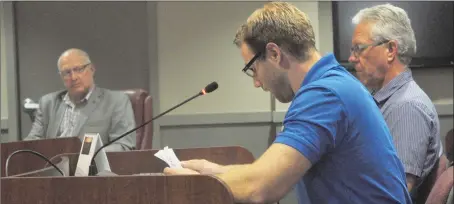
72	112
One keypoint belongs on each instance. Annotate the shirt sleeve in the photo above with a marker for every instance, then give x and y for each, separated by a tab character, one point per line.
313	123
410	126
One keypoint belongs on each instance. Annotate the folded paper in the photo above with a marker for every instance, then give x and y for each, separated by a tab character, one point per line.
168	156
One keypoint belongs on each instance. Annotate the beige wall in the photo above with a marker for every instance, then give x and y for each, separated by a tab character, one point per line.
195	47
4	90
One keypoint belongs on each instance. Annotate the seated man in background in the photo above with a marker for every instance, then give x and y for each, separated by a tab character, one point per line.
83	107
383	44
334	141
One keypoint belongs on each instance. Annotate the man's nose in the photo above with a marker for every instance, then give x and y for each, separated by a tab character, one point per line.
257	83
73	76
352	58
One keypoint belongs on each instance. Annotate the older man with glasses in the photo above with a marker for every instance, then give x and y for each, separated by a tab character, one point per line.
83	107
383	46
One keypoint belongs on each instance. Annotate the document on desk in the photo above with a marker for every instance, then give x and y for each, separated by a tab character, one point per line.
168	156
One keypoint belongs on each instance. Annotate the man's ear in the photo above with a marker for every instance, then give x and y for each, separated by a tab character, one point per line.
93	69
392	50
273	52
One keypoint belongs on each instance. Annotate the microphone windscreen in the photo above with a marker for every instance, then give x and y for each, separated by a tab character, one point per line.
211	87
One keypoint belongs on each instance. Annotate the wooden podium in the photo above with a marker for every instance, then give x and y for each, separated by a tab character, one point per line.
24	162
129	185
142	161
193	189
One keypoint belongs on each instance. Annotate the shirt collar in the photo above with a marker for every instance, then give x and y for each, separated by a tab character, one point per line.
67	100
389	89
320	67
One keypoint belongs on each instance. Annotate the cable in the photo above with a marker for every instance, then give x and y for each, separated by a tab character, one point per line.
57	156
33	152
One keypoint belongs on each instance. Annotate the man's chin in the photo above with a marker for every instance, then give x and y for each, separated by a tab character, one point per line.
78	94
284	99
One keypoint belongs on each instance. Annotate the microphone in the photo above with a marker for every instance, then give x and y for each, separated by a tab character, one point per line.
208	89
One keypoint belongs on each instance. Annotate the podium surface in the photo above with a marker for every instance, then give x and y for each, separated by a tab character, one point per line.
144	161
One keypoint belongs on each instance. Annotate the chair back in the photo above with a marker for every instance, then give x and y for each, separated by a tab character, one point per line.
440	191
143	111
449	145
425	188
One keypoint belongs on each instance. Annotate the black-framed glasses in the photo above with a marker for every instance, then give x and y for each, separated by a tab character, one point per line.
357	49
248	69
68	72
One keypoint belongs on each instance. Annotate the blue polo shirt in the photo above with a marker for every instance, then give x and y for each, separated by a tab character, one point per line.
335	123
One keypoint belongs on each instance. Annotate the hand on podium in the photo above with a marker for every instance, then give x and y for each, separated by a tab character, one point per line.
196	166
179	171
203	166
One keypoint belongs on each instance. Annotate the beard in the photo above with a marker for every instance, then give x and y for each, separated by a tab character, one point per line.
371	82
373	78
281	88
77	96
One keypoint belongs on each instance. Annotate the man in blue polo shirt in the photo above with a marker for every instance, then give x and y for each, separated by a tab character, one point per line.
335	141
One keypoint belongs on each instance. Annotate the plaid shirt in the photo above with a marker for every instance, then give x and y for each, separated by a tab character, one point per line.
72	112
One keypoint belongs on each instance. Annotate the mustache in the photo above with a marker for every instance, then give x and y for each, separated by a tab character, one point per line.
75	84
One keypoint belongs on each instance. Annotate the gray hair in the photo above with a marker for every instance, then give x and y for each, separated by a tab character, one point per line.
75	51
391	23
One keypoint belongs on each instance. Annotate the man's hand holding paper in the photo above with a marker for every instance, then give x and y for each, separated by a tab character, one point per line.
168	156
197	166
194	166
179	171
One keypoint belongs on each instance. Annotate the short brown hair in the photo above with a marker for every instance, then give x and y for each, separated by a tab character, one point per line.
281	23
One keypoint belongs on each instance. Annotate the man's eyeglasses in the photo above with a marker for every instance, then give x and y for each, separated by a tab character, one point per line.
248	69
80	69
358	48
